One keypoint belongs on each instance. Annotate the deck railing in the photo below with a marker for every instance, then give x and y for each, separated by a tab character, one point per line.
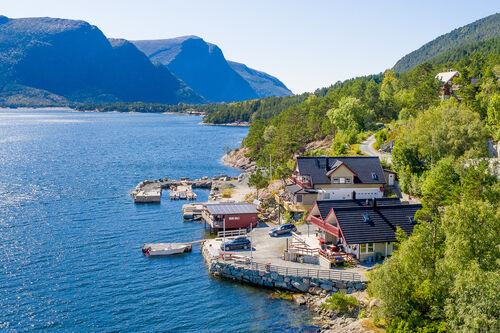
303	272
232	233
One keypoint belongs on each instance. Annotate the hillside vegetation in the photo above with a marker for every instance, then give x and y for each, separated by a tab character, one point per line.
445	276
483	29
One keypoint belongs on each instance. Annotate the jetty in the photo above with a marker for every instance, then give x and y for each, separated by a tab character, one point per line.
149	191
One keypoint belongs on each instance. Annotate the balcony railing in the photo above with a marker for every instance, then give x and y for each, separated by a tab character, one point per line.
303	181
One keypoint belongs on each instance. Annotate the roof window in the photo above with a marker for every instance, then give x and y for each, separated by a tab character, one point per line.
411	219
374	176
367	218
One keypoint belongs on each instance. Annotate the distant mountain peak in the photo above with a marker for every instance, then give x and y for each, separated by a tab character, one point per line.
203	67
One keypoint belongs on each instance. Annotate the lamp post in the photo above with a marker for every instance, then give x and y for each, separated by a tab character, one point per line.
251	245
224	237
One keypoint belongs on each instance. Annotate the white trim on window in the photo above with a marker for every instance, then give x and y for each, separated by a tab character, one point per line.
367	248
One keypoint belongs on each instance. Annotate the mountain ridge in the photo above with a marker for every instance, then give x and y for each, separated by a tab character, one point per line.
482	29
203	67
76	61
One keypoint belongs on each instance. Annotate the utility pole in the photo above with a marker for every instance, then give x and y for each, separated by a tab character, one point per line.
224	231
270	169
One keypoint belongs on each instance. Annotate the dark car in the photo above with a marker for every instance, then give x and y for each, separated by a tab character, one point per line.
235	244
282	229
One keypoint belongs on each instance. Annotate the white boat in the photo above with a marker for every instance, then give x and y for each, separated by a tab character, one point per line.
165	249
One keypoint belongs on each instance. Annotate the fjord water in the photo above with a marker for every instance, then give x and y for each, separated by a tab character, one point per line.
71	236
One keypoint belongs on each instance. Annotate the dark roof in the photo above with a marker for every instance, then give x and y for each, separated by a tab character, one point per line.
231	208
381	228
296	189
325	206
364	167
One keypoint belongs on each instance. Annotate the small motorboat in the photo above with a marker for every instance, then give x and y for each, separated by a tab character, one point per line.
165	249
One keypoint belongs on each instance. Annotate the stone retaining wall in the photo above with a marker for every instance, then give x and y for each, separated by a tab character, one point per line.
275	280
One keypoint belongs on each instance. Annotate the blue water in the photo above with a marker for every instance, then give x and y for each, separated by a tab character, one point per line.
71	236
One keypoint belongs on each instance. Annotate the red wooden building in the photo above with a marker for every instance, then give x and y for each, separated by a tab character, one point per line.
230	215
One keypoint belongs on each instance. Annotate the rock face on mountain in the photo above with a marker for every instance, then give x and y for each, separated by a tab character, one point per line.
74	59
480	30
201	65
263	84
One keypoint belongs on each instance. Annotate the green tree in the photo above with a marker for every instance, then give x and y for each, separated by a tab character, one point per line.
257	180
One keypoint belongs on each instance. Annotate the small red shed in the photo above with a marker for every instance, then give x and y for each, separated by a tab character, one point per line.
230	215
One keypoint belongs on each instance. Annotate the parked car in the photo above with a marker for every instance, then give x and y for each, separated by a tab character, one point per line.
235	244
282	229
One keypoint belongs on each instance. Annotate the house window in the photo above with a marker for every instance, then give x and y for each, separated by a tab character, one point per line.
348	180
336	180
366	248
231	218
299	197
342	180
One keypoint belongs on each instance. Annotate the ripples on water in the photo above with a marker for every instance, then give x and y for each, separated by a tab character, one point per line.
70	235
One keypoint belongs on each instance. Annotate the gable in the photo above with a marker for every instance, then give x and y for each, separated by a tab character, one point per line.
341	171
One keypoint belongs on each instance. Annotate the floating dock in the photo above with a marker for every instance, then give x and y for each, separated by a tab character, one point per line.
182	192
191	212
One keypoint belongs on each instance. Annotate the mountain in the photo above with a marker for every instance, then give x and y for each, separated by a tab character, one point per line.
263	84
483	29
203	67
49	57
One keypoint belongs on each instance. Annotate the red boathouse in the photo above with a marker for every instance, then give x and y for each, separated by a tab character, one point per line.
230	215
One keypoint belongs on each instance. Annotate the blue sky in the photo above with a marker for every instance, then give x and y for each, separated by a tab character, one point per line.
306	44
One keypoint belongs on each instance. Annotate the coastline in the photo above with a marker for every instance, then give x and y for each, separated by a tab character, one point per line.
235	124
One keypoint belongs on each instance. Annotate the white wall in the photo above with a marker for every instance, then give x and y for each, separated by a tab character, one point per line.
346	193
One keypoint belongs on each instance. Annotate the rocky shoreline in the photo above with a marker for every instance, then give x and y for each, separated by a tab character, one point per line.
236	158
332	321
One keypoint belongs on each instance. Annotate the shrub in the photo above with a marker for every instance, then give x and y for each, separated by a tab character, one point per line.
341	303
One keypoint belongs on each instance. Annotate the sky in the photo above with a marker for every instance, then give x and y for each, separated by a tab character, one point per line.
306	44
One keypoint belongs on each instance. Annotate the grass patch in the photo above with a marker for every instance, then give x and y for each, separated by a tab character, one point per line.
341	303
227	193
281	295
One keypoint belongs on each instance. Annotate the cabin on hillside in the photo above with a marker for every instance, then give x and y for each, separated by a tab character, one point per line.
446	79
360	228
229	216
329	178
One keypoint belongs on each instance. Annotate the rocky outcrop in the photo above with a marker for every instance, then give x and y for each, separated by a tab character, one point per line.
237	159
387	147
332	321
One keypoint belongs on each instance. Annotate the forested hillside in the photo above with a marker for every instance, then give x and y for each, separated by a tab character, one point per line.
349	109
445	276
483	29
